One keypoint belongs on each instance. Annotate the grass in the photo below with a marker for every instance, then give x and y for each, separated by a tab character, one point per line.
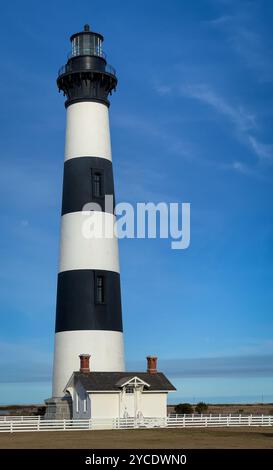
216	438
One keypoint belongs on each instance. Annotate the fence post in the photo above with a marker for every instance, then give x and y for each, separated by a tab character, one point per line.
64	424
206	421
11	426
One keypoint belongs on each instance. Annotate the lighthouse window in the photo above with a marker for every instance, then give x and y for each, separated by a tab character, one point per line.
97	184
100	289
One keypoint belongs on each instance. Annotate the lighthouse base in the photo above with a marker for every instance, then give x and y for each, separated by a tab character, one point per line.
58	408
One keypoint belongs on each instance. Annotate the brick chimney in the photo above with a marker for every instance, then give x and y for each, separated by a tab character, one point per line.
152	364
84	363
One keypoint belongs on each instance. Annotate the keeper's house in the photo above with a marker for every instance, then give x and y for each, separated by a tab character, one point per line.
118	394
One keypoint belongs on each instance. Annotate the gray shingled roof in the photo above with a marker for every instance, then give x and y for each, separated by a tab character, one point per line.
111	381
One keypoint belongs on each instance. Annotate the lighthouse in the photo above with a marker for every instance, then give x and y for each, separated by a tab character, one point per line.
88	307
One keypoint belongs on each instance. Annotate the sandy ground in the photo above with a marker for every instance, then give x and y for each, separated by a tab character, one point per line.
216	438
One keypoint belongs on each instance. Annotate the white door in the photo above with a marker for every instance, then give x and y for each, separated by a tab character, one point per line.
130	404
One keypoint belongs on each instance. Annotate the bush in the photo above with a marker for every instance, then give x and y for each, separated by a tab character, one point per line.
201	407
183	408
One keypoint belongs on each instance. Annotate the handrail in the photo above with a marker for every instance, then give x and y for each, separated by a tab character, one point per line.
68	68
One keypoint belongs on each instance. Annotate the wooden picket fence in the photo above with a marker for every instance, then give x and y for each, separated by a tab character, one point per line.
37	423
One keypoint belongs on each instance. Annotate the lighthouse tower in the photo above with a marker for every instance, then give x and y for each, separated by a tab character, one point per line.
88	312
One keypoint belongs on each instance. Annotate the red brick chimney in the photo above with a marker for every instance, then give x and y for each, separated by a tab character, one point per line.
84	361
152	364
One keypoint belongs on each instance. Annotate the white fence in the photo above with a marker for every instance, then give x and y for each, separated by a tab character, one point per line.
28	423
19	418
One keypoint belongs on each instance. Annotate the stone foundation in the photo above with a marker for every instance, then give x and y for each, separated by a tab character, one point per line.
58	408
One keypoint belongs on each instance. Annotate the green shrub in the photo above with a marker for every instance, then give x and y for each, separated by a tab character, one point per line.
183	408
201	407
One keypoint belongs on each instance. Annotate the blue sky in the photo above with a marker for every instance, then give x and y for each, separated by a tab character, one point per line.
191	122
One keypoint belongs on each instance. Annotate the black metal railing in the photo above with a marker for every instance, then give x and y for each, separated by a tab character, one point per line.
68	68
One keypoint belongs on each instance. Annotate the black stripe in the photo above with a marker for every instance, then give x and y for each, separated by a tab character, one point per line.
77	183
76	304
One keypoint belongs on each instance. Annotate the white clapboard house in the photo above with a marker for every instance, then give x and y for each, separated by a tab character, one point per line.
118	394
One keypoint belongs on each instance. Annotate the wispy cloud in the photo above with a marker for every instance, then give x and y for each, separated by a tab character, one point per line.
242	119
245	122
163	89
247	40
263	151
240	167
154	130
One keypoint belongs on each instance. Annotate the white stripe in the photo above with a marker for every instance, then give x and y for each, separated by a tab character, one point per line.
79	252
87	131
105	348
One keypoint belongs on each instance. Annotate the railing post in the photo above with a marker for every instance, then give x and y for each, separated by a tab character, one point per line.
64	424
11	426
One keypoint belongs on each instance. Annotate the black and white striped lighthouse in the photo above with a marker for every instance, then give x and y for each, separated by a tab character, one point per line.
88	312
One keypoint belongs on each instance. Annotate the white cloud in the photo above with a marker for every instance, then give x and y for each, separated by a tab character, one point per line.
263	151
242	119
246	39
163	89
